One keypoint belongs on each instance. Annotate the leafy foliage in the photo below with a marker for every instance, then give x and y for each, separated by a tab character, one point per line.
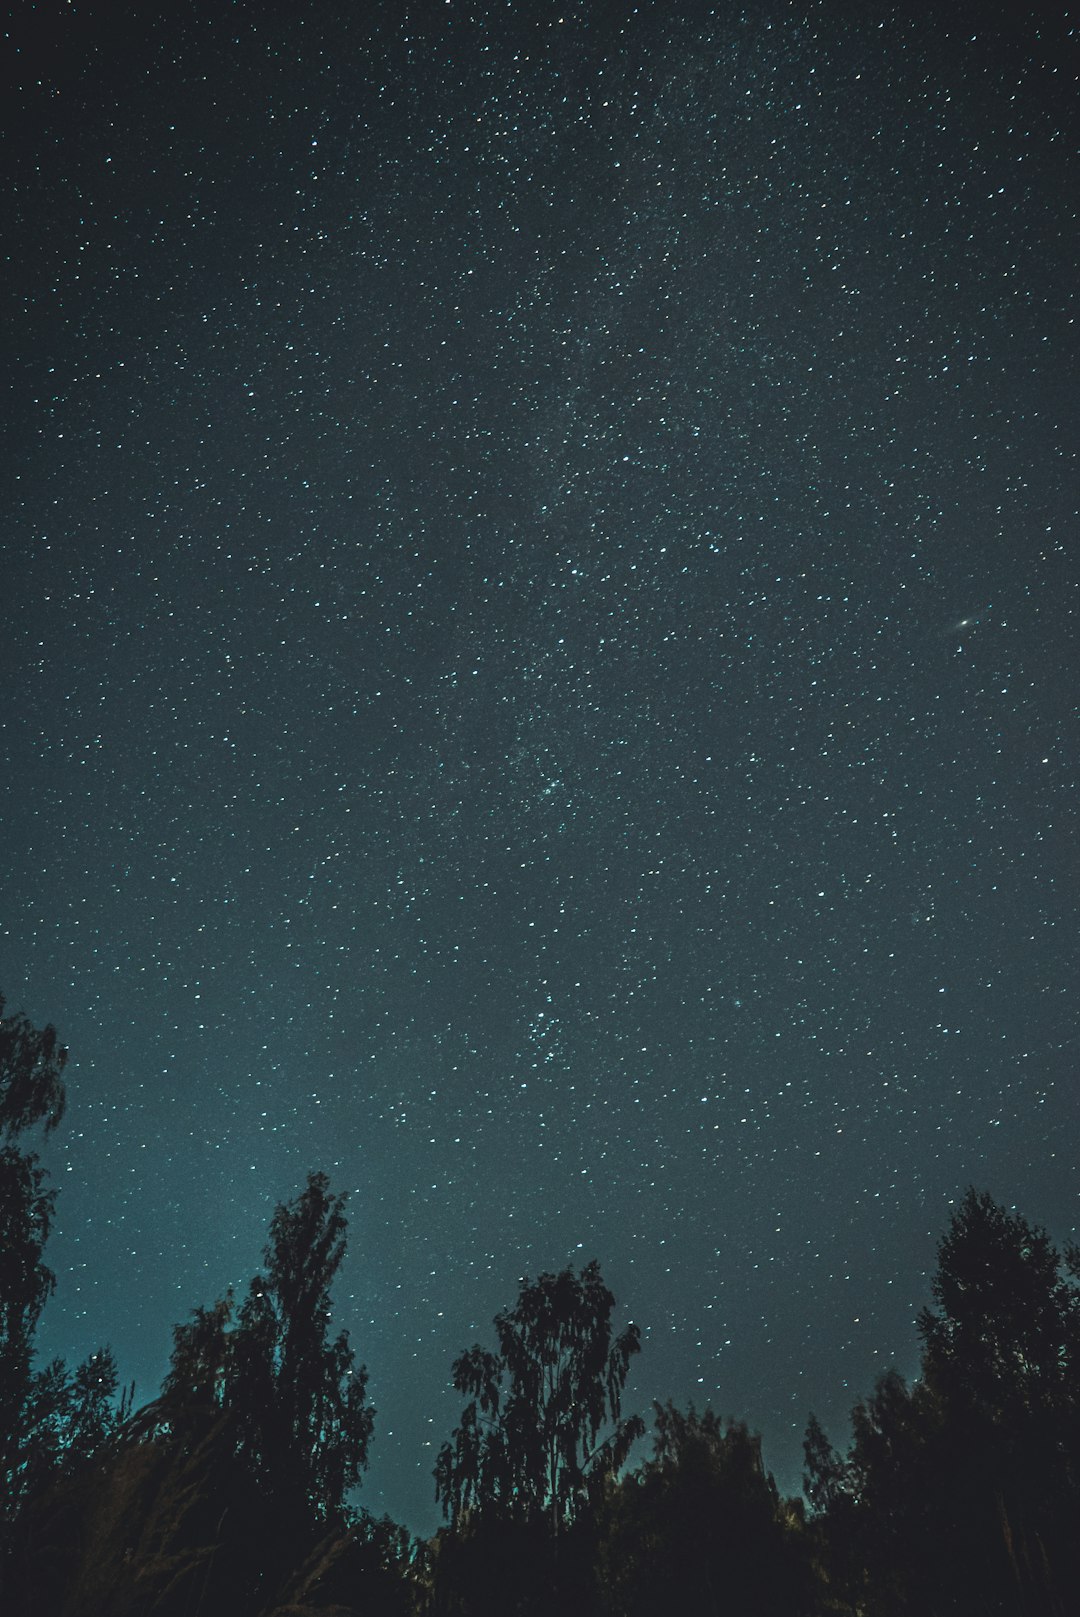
31	1091
240	1470
701	1527
301	1401
52	1421
960	1494
70	1416
1007	1325
297	1402
32	1062
26	1211
530	1439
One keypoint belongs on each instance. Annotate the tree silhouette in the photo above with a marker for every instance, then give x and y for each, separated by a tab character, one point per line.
31	1091
51	1420
701	1528
233	1484
1002	1360
26	1283
69	1416
1007	1323
302	1403
198	1371
530	1441
959	1494
826	1476
298	1405
32	1062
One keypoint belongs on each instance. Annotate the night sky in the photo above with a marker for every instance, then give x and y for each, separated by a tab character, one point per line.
539	664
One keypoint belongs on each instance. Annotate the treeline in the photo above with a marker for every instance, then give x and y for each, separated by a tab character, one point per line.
234	1491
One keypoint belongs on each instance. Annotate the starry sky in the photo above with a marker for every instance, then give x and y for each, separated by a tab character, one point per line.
540	664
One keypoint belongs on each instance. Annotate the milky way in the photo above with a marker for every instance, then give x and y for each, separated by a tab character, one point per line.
541	577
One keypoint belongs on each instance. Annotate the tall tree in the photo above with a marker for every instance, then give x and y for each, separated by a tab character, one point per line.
45	1416
26	1283
1001	1356
543	1426
959	1494
1007	1322
300	1416
31	1091
224	1485
302	1399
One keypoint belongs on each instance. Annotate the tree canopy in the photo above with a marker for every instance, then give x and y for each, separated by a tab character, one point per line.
959	1494
297	1399
32	1062
51	1419
543	1426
